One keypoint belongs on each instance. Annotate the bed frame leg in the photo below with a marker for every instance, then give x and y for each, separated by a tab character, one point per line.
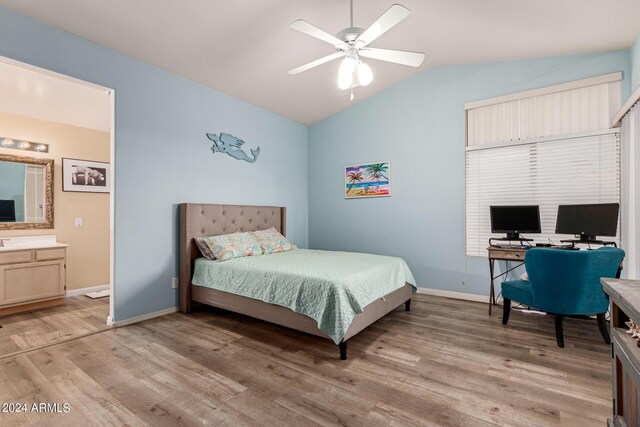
407	305
343	350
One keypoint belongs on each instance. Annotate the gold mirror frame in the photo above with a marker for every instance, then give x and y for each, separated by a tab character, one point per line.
48	190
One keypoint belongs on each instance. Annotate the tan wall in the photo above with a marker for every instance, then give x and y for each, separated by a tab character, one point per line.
88	255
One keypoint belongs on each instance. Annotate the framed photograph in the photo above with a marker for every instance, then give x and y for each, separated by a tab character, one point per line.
367	180
86	176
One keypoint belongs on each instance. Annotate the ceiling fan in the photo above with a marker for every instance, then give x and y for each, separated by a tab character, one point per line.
352	43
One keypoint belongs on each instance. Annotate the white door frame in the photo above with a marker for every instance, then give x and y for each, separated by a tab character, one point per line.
112	150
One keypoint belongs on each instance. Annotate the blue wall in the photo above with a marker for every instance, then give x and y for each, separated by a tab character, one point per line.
12	176
418	126
163	158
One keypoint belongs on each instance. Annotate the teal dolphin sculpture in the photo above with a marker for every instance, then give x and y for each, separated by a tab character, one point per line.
229	144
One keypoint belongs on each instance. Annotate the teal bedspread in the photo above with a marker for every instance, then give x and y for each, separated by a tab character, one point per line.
330	287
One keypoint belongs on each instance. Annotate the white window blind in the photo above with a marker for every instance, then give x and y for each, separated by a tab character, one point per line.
567	109
548	174
511	165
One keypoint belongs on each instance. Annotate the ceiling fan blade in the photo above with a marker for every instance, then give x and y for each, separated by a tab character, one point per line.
412	59
313	31
388	20
315	63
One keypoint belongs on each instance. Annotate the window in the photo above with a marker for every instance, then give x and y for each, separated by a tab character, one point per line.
546	147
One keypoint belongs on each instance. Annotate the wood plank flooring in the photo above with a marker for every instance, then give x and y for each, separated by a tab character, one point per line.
78	316
445	363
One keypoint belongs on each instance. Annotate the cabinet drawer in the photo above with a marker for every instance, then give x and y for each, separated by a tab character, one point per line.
49	254
15	257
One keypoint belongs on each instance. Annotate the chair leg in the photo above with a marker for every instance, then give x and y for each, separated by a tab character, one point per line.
604	330
506	310
559	333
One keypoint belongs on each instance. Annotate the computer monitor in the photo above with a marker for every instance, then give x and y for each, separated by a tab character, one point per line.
514	220
588	221
7	211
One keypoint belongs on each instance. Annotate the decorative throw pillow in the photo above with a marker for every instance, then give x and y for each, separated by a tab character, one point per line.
271	241
235	245
204	248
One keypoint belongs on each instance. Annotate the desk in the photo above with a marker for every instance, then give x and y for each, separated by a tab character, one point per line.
518	254
502	254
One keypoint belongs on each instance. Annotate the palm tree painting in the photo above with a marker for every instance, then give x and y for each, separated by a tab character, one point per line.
367	180
377	170
353	177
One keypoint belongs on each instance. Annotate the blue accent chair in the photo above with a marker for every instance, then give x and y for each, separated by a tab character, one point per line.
565	283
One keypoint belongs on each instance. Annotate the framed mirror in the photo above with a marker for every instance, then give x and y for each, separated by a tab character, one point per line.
26	193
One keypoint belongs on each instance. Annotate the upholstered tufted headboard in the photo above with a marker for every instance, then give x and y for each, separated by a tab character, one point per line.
198	220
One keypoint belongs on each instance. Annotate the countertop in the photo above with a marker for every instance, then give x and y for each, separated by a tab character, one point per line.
33	246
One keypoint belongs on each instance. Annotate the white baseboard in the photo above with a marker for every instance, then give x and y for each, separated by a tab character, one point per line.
82	291
455	295
137	319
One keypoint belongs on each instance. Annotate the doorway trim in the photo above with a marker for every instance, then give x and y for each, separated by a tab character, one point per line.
112	153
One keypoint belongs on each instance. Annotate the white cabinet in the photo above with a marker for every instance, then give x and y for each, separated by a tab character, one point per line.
31	279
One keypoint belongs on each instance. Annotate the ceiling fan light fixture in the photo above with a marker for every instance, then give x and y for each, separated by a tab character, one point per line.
352	43
345	73
365	75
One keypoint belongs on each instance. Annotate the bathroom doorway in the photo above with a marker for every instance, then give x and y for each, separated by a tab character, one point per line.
57	169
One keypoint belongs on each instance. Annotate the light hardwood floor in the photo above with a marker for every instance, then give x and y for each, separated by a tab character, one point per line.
78	316
444	363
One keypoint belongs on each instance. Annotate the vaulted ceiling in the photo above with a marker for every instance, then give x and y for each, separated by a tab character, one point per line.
244	48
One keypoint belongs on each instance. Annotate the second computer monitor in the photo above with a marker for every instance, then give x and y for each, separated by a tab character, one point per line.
588	221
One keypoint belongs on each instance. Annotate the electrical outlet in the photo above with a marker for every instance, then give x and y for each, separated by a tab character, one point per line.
463	283
174	282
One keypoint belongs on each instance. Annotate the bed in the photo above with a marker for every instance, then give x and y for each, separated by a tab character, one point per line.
198	220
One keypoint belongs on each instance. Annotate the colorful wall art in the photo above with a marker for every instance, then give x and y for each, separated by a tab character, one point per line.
367	180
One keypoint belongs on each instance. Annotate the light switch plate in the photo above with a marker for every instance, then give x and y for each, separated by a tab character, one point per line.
174	282
78	222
